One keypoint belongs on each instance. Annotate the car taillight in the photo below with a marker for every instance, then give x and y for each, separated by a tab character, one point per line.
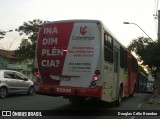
37	75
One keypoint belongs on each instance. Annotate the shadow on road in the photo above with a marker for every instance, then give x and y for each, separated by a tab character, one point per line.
88	108
16	95
96	108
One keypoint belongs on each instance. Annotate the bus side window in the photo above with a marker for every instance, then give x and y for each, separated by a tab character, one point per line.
125	61
122	57
108	48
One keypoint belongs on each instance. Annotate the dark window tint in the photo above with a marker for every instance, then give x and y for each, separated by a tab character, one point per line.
115	60
20	76
9	75
108	48
122	58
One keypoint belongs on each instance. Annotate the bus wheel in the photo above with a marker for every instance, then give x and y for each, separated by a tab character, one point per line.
119	100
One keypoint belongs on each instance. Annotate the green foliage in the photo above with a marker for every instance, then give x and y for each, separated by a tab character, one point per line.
27	48
3	33
148	52
141	69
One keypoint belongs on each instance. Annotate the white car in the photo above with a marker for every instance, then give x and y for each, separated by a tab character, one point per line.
14	82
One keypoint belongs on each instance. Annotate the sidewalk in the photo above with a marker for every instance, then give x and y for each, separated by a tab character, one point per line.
155	99
153	103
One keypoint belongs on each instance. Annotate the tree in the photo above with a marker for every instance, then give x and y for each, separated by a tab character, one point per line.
3	33
148	53
141	69
27	48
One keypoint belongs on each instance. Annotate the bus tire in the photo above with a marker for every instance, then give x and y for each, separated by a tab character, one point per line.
119	100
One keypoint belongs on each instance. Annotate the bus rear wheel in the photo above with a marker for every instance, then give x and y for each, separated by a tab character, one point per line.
119	100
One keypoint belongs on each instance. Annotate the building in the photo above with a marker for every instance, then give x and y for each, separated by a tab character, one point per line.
9	60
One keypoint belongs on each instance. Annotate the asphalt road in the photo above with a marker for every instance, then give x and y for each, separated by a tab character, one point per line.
59	108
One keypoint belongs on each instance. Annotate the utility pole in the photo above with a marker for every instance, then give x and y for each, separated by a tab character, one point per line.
157	81
158	26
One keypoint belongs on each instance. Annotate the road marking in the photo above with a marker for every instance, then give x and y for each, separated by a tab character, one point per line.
139	106
132	117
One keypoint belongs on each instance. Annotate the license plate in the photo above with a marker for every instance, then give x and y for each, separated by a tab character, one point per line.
65	78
